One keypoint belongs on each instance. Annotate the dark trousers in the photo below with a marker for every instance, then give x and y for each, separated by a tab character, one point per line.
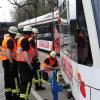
37	76
45	75
11	80
15	81
26	76
37	72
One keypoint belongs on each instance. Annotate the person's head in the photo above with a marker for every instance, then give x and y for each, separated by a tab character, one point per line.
13	31
27	31
35	32
53	54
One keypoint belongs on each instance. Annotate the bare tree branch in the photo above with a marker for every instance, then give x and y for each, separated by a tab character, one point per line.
20	5
27	9
11	2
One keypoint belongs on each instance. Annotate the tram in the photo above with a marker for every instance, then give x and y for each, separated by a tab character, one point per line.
80	64
48	25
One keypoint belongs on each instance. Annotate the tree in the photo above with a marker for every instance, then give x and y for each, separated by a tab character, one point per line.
24	9
52	4
27	9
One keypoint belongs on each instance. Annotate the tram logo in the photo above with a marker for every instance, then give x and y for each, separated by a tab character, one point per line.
81	84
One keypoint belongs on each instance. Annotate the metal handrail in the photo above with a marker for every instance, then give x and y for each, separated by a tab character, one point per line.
90	87
87	85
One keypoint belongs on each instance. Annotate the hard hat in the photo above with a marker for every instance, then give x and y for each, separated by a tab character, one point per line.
35	30
13	29
53	54
27	29
18	35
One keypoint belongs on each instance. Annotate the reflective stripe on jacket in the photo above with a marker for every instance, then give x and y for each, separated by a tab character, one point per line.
20	52
3	51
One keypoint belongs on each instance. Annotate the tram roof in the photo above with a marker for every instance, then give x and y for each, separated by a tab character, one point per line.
41	19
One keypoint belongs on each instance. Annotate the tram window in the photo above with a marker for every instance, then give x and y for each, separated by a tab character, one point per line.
83	45
96	10
65	40
80	46
45	31
74	40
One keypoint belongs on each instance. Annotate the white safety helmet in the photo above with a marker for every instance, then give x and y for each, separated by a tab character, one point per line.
13	30
53	54
27	29
35	30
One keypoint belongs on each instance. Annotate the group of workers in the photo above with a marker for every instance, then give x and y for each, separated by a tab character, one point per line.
20	61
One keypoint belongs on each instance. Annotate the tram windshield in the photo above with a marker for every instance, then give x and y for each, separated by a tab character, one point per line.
96	10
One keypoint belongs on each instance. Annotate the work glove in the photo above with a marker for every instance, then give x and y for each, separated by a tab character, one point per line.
56	68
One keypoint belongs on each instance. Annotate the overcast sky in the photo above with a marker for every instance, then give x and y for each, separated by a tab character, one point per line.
5	10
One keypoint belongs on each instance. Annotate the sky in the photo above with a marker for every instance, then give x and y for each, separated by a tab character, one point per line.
5	9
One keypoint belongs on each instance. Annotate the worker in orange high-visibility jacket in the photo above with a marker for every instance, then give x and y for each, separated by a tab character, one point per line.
48	65
8	57
36	62
24	58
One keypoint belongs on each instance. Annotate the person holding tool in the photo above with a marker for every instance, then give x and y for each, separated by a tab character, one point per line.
48	65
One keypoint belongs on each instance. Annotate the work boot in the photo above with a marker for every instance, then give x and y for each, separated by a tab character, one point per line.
15	97
8	96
